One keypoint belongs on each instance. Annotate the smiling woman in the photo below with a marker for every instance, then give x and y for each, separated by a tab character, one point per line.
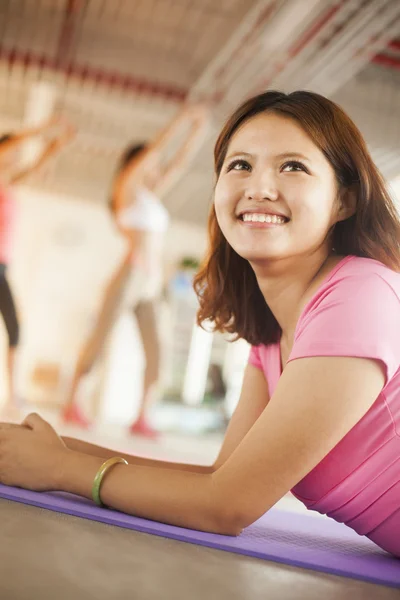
304	155
319	412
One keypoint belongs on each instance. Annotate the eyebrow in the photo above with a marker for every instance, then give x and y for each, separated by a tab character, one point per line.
278	156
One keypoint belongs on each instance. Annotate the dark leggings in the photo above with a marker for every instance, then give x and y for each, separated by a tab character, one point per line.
7	309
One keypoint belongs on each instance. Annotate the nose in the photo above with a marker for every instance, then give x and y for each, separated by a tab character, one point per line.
261	186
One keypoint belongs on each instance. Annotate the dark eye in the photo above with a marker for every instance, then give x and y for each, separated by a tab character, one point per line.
238	165
293	166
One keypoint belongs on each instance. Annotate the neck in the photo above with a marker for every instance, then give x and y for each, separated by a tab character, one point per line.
288	285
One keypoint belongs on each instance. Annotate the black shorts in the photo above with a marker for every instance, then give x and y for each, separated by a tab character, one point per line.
7	308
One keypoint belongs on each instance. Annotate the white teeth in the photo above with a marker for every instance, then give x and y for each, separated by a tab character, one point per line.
263	218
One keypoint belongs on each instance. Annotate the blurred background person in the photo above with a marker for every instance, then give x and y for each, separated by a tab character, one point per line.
56	133
141	179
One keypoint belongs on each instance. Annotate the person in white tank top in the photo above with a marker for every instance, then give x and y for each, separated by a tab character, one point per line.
143	220
149	216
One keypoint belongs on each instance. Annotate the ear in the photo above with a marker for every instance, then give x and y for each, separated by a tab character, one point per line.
347	204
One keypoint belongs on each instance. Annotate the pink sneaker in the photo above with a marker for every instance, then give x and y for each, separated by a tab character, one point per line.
142	427
74	416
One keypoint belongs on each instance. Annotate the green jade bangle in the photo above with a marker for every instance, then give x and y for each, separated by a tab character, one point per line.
100	476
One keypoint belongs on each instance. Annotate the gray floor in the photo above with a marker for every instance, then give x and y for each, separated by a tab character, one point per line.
44	555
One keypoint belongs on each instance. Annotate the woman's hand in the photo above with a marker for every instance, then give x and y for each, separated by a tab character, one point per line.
31	454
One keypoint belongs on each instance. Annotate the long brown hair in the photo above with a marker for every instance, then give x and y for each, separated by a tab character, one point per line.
226	285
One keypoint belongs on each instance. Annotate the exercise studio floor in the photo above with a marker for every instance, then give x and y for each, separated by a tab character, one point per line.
45	555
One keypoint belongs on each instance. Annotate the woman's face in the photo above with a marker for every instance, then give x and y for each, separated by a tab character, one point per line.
276	196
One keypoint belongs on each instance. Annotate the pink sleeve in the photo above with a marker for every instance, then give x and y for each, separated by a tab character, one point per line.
359	317
254	357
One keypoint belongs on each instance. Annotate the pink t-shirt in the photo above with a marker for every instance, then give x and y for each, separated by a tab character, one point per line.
7	219
355	312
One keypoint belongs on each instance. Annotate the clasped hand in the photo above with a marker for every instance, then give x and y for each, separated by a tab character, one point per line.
31	454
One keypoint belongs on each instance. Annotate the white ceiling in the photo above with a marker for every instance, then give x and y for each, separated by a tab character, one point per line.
122	68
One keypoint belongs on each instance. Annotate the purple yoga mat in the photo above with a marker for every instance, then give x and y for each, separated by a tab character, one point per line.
285	537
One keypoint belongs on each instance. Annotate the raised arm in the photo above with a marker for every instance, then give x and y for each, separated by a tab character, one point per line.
136	169
52	146
16	139
140	168
197	119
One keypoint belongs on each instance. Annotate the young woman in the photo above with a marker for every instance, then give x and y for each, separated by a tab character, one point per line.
143	220
56	134
304	263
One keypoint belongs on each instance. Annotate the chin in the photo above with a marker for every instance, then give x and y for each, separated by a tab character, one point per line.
259	251
254	256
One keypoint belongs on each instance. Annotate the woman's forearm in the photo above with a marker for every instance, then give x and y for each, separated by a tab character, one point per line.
25	134
175	497
54	125
49	150
183	157
20	137
170	130
99	451
88	448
